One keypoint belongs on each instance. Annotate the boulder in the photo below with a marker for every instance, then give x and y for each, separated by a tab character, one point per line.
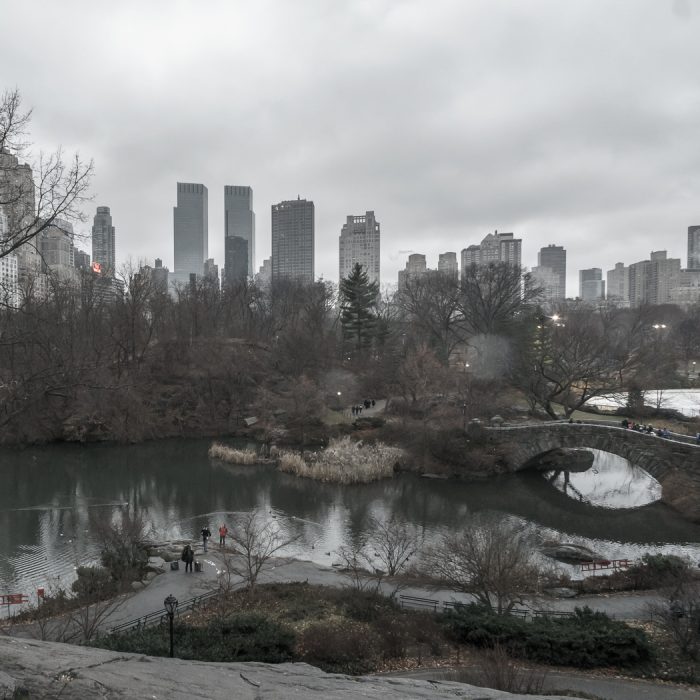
50	670
570	553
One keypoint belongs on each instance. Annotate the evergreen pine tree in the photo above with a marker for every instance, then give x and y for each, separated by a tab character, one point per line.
358	301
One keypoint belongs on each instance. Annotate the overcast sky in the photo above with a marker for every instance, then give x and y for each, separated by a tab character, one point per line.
575	123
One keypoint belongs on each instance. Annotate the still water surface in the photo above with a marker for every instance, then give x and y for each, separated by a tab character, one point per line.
48	493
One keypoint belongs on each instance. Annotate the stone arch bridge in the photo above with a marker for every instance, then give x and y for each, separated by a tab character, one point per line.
674	462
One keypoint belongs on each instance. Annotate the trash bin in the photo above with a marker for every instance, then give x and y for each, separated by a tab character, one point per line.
198	566
174	565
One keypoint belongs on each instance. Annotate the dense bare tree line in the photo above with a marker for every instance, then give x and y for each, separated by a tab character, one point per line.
150	364
75	365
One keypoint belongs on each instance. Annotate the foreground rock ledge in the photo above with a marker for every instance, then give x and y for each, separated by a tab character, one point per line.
48	669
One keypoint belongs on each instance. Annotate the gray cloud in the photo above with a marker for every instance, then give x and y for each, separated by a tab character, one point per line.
568	123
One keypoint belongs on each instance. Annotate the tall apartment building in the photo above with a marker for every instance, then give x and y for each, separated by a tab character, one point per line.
264	276
9	282
591	285
554	258
293	240
17	193
211	272
57	251
191	231
639	275
618	284
447	264
81	259
550	281
239	231
157	276
653	281
359	242
694	247
416	266
664	275
103	243
495	247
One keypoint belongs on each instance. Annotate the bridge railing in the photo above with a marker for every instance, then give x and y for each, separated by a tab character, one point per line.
607	424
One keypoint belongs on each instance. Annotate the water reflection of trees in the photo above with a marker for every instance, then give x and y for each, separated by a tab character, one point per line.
179	489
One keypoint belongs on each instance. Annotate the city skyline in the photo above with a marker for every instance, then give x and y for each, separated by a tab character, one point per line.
545	123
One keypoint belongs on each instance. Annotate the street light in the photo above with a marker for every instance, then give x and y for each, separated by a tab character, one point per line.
170	604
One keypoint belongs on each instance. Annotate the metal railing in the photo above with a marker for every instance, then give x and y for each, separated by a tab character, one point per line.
160	616
607	424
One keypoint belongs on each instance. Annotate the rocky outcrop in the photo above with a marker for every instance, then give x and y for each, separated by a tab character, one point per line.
48	669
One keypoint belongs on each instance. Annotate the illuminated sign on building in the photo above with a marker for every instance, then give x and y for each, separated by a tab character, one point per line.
96	267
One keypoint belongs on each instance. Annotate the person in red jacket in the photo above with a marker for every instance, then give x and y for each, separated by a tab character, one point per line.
223	531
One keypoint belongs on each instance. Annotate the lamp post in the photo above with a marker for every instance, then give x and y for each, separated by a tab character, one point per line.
170	604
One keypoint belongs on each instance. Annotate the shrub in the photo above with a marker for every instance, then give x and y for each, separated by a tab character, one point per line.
239	637
344	461
340	648
585	640
229	454
366	606
658	570
93	583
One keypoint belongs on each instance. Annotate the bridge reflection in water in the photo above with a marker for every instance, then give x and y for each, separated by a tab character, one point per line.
611	482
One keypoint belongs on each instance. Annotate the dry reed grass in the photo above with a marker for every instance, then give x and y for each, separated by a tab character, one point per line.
229	454
344	461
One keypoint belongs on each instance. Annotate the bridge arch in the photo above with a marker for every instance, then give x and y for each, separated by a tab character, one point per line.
674	463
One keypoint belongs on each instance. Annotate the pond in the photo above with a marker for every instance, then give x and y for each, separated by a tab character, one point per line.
49	493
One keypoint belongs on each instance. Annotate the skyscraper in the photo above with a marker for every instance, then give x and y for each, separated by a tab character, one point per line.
495	247
191	231
554	257
359	242
18	205
447	264
293	240
239	232
694	247
550	282
103	248
619	284
416	266
591	284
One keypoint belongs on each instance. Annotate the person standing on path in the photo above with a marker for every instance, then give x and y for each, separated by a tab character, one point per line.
187	557
206	534
223	531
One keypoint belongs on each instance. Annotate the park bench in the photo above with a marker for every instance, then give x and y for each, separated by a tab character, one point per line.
515	612
552	613
412	601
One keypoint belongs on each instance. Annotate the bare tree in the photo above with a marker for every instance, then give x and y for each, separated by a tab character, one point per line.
356	566
493	296
122	543
490	561
394	543
256	540
679	613
55	192
385	552
432	306
91	617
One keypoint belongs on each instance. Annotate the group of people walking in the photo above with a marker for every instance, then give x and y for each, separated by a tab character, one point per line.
188	553
649	429
357	410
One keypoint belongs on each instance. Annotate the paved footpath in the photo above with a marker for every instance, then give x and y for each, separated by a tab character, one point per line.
184	585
